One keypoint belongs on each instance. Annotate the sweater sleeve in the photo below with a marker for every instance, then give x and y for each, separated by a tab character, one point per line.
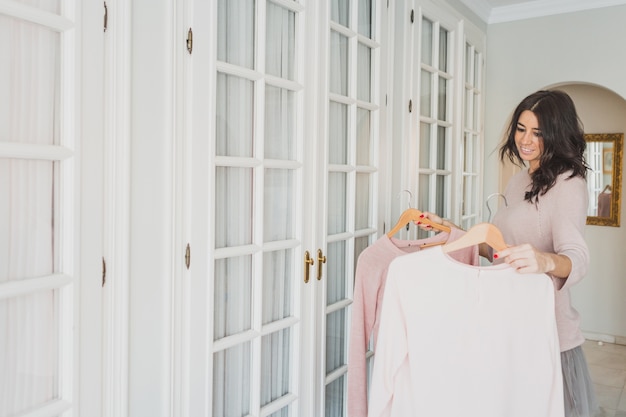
366	288
567	219
391	351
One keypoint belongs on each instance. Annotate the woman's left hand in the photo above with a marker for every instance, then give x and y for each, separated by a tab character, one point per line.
526	259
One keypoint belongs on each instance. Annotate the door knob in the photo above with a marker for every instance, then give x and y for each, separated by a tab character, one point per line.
321	259
308	261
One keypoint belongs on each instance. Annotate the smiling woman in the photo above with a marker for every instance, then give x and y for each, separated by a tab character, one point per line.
604	180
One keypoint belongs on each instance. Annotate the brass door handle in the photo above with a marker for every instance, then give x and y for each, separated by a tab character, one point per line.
321	259
308	261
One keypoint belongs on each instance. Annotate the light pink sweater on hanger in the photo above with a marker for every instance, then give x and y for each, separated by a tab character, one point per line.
369	286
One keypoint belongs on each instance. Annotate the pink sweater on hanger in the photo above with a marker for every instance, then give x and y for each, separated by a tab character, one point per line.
369	286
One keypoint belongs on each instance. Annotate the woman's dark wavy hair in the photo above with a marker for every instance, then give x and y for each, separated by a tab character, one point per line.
563	140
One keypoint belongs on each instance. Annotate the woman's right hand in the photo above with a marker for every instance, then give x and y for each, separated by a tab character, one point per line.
430	216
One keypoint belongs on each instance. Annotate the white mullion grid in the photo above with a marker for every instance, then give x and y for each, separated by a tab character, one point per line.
18	150
17	288
448	75
412	129
371	107
471	132
365	232
349	168
347	32
431	120
227	342
257	283
297	86
420	119
67	205
216	67
478	128
469	139
52	408
374	108
292	5
277	405
335	374
351	156
59	23
258	181
341	99
341	168
371	43
283	83
338	237
337	306
434	81
242	72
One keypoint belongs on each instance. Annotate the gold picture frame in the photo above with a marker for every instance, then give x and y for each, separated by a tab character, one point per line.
611	165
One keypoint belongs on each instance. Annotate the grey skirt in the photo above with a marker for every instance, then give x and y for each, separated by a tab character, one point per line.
580	398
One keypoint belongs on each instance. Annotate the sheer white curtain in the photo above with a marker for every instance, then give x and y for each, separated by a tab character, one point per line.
28	115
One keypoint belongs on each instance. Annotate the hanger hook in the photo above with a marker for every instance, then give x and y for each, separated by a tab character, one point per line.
506	204
410	196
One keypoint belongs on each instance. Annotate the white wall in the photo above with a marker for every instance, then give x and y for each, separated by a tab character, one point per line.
151	209
566	51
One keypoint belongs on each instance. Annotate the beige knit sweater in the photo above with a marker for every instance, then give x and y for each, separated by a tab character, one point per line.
554	224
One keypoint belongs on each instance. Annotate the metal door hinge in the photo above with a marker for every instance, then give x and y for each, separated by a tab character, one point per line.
106	16
189	41
412	16
187	256
104	272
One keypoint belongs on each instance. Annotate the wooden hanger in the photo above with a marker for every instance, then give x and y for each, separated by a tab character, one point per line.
607	188
480	233
412	215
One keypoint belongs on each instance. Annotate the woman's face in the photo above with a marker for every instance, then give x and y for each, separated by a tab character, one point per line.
528	139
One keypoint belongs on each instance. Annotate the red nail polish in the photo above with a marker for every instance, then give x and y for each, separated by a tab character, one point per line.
419	222
495	256
422	216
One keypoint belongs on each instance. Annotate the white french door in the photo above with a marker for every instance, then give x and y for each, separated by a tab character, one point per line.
441	134
283	174
41	244
351	187
247	210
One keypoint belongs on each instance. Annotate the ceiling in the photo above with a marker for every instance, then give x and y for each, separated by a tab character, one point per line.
497	11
